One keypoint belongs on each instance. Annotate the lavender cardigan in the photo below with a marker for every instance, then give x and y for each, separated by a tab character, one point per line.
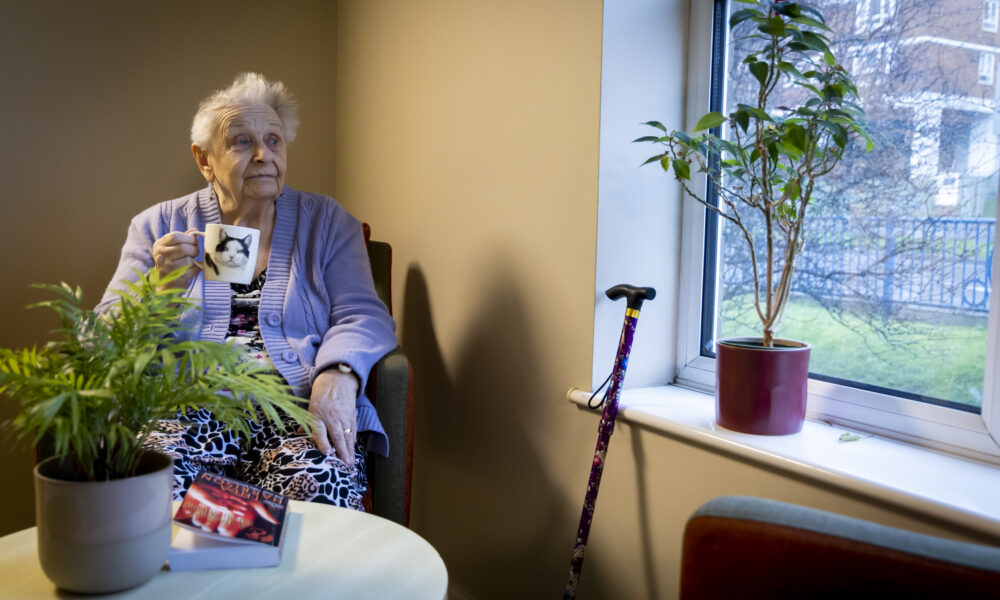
318	306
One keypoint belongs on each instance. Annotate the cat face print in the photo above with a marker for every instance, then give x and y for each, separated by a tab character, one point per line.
232	252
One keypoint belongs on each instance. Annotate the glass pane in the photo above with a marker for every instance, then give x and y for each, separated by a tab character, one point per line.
893	283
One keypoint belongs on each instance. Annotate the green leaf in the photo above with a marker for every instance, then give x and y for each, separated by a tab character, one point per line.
815	12
656	124
712	119
775	27
141	361
772	151
789	68
742	15
790	9
737	174
665	163
755	112
792	189
741	118
788	150
811	88
869	145
647	138
726	145
760	71
47	409
815	41
811	22
682	169
797	136
650	159
853	106
785	211
683	138
838	132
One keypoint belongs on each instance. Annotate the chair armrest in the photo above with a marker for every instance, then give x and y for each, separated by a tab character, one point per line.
390	476
738	546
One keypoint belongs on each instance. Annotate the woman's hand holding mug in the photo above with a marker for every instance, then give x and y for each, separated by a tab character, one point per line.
230	254
174	251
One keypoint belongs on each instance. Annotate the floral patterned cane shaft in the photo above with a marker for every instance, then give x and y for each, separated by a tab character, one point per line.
604	431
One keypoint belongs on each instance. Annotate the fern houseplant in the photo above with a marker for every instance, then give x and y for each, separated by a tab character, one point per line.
93	396
764	175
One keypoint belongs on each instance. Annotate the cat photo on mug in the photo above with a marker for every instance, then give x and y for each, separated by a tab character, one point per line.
230	253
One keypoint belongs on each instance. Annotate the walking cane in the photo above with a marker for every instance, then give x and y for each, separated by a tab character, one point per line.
634	296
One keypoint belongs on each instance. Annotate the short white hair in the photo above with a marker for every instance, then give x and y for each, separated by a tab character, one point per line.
246	89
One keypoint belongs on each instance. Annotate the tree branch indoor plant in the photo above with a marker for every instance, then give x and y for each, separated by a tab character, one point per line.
103	503
764	175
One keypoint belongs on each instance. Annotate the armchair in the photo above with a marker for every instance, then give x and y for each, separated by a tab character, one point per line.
391	391
742	547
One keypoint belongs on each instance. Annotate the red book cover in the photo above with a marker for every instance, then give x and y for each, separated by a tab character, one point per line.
235	524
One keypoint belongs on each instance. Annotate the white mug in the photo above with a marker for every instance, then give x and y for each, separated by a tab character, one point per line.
230	253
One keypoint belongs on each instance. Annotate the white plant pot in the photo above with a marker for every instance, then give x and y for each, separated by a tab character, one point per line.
103	536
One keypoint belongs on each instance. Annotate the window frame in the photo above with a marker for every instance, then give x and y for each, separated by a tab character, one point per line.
955	431
986	69
991	15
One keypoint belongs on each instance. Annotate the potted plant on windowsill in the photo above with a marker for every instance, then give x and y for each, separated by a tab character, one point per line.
767	170
94	395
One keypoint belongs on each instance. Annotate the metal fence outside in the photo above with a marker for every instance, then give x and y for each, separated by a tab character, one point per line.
897	261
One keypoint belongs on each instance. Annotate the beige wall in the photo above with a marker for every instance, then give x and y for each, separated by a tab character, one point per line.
467	135
96	99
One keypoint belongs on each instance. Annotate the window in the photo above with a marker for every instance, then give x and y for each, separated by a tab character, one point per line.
991	11
873	15
893	290
986	68
870	62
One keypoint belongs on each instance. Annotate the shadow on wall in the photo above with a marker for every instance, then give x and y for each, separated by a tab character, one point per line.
480	494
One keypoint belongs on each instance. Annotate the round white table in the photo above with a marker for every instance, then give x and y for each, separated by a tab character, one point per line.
329	553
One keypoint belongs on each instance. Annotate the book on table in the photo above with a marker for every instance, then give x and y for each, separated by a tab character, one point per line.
228	524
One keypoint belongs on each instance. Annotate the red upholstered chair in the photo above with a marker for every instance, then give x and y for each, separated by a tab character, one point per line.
390	388
742	547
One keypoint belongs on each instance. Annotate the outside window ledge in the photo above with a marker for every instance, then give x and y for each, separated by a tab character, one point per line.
953	489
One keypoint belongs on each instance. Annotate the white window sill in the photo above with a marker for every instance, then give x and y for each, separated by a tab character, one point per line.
953	489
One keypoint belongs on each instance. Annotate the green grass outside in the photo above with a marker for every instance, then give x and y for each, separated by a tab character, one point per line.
937	359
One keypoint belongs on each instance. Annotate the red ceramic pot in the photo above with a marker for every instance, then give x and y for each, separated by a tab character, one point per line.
761	390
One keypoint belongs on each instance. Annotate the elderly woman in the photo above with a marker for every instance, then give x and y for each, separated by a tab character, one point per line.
311	312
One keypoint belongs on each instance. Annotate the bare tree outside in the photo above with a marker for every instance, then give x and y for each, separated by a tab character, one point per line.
894	278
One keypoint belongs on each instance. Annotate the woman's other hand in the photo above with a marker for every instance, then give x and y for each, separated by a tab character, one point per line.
332	404
174	251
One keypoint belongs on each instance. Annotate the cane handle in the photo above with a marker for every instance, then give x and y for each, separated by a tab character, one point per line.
634	295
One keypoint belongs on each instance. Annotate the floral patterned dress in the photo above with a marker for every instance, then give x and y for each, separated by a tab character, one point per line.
288	463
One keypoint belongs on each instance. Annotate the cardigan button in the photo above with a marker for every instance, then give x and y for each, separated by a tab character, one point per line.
288	356
273	319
